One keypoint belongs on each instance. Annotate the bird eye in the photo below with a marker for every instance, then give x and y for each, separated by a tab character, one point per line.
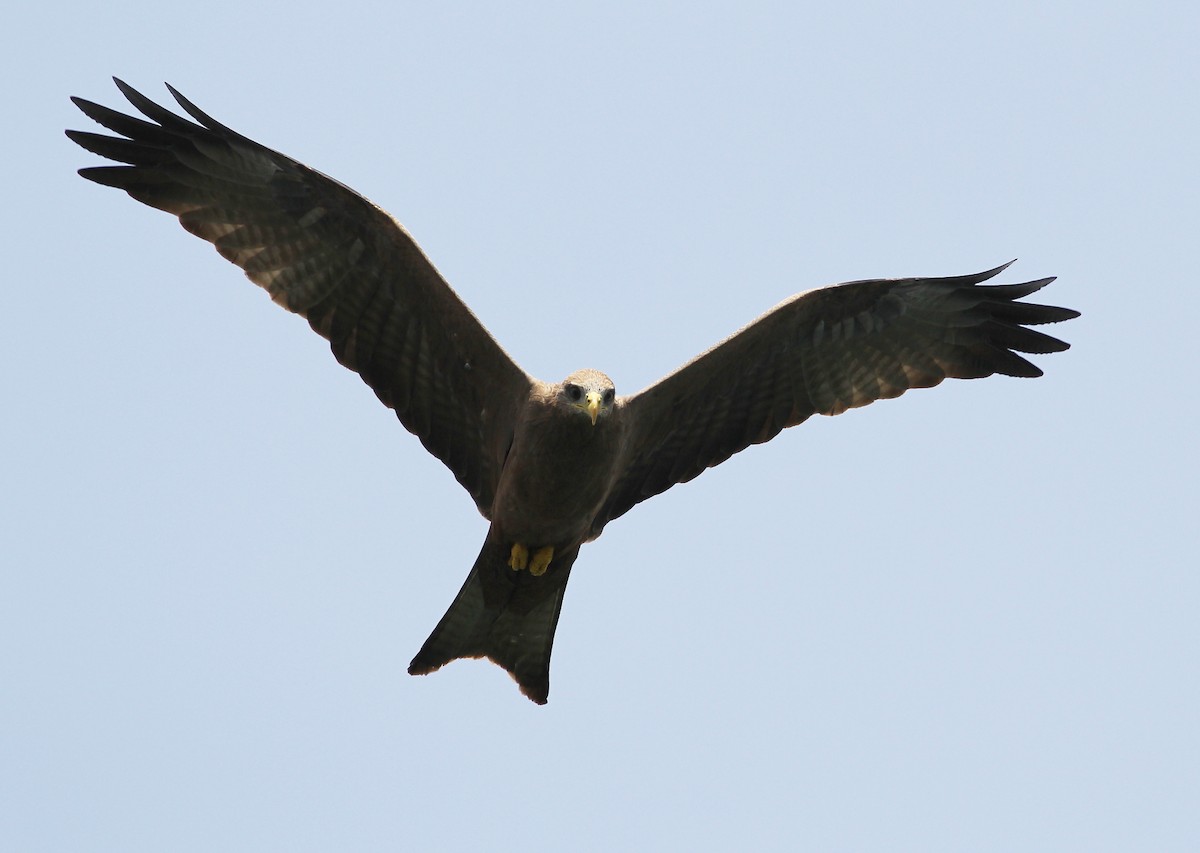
609	394
574	393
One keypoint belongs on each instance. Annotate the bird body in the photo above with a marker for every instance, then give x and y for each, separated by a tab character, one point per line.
549	465
560	471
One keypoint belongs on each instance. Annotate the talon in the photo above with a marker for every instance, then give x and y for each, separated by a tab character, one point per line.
541	560
518	558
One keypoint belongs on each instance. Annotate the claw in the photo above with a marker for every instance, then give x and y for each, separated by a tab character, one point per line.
541	560
518	558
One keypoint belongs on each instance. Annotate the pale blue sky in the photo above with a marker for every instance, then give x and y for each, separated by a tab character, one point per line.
962	620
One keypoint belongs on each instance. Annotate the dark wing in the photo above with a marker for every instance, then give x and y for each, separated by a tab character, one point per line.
824	352
324	252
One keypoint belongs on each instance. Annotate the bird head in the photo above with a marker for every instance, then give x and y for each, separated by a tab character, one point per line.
589	391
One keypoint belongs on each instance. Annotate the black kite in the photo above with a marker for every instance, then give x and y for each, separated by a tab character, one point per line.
549	465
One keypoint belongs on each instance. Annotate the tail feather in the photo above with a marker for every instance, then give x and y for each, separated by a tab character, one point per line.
508	617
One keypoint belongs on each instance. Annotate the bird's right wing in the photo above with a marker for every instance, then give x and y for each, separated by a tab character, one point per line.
323	251
824	352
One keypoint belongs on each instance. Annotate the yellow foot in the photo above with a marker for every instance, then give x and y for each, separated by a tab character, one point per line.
541	560
518	558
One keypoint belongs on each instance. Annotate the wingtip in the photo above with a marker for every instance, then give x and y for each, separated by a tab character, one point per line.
995	271
125	88
192	109
201	116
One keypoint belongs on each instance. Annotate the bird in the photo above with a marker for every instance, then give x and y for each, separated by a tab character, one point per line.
549	465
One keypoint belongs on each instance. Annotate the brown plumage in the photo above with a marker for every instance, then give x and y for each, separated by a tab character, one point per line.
548	465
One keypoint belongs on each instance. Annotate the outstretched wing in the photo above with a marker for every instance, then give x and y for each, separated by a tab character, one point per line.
325	252
824	352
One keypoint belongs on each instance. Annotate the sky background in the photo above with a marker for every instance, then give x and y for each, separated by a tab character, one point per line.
962	620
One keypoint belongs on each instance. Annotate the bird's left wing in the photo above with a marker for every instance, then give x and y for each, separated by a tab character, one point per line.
323	251
823	352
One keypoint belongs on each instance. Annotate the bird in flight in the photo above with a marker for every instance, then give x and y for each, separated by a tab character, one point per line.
548	464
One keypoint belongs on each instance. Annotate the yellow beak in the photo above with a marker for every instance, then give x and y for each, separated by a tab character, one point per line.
593	406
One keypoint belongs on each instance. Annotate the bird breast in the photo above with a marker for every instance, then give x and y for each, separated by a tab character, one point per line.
556	477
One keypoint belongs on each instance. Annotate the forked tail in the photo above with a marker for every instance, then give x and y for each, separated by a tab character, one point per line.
506	616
